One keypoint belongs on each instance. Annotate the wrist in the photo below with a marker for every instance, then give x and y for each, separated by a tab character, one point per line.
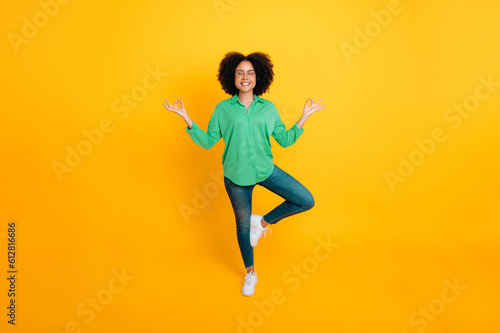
188	121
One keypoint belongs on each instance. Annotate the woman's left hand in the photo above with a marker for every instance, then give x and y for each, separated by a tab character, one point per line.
313	107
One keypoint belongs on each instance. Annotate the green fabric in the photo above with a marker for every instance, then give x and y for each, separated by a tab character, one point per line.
247	157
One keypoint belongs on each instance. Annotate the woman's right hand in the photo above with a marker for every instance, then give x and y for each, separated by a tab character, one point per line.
179	110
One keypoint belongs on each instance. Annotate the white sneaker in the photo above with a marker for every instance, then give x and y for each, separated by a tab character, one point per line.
256	229
249	284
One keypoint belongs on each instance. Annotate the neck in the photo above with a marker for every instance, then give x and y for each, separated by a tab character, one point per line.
246	96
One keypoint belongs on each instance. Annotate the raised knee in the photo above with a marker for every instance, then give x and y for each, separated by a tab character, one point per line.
309	203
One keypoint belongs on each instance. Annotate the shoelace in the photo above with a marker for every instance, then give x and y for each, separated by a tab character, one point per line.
249	277
266	230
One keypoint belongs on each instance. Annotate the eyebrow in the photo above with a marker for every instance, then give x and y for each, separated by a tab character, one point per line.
241	70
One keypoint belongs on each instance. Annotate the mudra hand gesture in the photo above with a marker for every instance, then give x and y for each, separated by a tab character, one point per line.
313	107
179	110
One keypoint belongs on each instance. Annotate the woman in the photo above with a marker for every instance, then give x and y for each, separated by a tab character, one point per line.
246	122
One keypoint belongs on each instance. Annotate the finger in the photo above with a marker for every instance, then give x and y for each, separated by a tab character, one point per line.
319	100
182	103
167	102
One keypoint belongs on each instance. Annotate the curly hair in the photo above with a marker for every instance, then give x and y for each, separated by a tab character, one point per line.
262	64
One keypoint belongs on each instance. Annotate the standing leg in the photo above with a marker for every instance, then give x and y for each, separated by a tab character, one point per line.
297	198
241	200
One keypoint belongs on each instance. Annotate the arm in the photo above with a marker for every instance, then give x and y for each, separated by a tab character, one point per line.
202	138
282	136
287	138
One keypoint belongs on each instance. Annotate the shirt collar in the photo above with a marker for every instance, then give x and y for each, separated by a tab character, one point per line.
235	99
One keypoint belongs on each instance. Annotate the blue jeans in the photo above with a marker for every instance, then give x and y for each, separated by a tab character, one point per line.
297	200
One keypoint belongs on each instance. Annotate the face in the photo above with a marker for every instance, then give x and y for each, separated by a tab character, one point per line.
244	77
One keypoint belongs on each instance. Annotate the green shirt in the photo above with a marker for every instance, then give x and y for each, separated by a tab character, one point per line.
247	157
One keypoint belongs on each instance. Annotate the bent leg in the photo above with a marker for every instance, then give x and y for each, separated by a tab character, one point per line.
241	200
297	198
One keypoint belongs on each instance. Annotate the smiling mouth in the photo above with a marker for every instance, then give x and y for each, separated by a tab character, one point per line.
245	83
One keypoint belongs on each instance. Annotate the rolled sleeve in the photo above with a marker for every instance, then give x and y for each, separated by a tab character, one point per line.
210	137
284	137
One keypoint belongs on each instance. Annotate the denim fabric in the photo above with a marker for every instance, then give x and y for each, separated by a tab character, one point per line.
297	199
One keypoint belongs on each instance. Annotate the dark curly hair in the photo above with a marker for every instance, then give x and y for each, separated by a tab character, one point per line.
262	64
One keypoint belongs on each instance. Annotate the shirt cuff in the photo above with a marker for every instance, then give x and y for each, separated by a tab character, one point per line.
194	127
297	130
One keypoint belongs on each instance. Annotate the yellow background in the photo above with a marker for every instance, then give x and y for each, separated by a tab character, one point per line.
119	209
